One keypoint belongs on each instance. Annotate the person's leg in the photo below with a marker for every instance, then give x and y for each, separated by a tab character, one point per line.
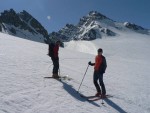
55	66
95	79
53	61
102	84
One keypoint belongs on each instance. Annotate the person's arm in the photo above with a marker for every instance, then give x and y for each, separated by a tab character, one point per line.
92	64
105	64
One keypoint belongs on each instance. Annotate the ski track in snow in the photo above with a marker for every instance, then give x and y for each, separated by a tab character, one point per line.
23	64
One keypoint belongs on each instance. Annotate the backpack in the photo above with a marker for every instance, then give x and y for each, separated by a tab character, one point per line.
51	50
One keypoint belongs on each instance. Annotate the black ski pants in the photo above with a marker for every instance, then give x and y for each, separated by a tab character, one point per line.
55	65
99	76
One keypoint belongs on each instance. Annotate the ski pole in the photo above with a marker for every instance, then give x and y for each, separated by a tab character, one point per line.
102	102
83	78
59	72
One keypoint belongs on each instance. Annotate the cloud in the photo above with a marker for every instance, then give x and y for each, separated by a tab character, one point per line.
48	17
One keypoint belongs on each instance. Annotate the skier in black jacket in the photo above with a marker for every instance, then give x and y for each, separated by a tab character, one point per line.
53	53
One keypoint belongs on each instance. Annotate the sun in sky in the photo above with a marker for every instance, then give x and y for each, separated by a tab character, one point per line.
48	17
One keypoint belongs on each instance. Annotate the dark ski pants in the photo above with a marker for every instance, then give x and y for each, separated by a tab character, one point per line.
55	65
99	76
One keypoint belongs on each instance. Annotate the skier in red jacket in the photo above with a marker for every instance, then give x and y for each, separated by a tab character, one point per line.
99	69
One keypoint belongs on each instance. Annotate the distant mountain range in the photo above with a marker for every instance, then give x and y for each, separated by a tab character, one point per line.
95	25
90	27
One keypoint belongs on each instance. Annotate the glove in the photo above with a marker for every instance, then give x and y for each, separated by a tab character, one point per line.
90	63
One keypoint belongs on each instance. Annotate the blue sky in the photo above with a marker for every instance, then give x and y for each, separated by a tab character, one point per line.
61	12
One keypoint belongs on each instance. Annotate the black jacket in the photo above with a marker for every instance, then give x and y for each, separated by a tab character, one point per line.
103	66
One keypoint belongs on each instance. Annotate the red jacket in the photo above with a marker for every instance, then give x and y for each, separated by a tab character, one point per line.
98	62
55	51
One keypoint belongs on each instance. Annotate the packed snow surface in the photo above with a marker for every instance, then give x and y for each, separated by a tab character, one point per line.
24	64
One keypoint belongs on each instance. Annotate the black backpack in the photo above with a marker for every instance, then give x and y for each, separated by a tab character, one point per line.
51	50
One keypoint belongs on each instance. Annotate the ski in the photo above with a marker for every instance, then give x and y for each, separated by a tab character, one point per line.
60	78
94	98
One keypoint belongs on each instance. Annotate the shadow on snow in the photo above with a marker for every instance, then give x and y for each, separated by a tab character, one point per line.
114	105
75	94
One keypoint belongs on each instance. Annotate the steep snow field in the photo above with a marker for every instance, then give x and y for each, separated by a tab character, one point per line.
24	64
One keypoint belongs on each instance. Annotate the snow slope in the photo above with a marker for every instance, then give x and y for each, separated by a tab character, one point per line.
23	64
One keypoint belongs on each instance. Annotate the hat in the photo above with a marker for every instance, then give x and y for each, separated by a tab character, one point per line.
100	50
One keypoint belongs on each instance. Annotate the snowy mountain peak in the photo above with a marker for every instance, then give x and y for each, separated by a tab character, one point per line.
136	28
92	26
24	15
96	15
91	17
133	26
22	25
